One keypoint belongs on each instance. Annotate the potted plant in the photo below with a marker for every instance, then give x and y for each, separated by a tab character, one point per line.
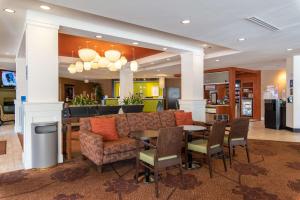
132	104
83	106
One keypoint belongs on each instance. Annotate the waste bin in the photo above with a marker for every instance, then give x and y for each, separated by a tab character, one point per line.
44	144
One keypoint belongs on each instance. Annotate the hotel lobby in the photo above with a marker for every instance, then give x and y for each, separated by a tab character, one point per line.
145	100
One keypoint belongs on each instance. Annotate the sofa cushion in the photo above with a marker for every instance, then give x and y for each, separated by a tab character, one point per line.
152	121
122	125
85	124
136	121
105	126
123	144
167	119
183	118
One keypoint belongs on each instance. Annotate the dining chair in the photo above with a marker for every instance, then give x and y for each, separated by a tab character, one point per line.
212	146
166	153
238	136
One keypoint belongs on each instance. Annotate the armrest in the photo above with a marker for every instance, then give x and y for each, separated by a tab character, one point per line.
91	146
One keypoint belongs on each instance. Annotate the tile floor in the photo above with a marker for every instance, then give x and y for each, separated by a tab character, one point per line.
13	158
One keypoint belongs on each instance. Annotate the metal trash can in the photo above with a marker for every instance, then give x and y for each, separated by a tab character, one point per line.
44	144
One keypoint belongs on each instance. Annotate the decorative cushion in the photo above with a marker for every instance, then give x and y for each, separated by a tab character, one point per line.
167	119
122	125
233	139
147	156
104	126
183	118
136	121
123	144
200	146
152	121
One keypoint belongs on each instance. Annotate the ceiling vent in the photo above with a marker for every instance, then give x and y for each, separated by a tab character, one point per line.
262	23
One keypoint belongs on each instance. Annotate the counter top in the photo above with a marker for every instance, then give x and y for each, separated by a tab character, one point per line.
218	105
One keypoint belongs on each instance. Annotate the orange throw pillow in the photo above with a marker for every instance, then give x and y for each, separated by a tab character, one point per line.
183	118
105	126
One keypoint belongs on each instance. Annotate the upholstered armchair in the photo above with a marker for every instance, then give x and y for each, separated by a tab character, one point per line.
5	117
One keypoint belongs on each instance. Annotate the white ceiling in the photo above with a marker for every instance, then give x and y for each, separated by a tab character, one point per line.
220	23
212	21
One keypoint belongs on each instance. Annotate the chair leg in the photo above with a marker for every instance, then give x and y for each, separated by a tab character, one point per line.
209	165
233	151
181	172
247	151
99	168
156	182
137	167
230	156
186	158
224	161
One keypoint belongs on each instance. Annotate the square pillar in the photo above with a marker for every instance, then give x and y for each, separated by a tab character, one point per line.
126	83
192	88
293	92
41	77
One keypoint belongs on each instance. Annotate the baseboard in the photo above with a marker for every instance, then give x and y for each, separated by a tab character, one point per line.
295	130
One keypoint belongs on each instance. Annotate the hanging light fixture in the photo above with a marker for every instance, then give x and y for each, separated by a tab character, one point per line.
95	62
134	65
72	69
79	66
123	60
87	55
112	55
87	66
118	64
103	62
112	67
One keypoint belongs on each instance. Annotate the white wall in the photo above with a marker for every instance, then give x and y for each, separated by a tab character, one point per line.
272	77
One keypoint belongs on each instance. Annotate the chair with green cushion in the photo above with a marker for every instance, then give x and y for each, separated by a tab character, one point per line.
166	153
238	136
212	146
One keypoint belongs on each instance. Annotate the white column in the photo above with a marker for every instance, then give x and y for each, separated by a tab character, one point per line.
192	70
293	90
126	83
42	103
21	90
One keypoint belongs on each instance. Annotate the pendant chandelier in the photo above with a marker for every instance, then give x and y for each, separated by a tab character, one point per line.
112	59
133	65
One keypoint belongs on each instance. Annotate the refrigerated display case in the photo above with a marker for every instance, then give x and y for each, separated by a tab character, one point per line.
247	107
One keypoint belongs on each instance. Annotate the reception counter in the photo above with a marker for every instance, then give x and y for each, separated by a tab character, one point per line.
150	104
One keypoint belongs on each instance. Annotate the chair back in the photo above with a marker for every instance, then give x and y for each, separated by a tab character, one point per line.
216	136
169	142
239	128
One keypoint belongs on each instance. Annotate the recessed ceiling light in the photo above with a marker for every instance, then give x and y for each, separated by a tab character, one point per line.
168	59
242	39
152	63
165	49
289	49
9	10
186	21
135	43
98	36
217	60
44	7
205	45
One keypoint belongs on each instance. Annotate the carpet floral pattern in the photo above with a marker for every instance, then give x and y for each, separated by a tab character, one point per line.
273	174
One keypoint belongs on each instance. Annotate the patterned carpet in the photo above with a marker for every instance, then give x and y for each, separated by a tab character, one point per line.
273	174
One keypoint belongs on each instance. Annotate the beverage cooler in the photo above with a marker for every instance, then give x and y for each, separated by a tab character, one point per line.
247	107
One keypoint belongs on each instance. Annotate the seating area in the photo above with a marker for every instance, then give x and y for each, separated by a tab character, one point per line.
158	141
138	100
